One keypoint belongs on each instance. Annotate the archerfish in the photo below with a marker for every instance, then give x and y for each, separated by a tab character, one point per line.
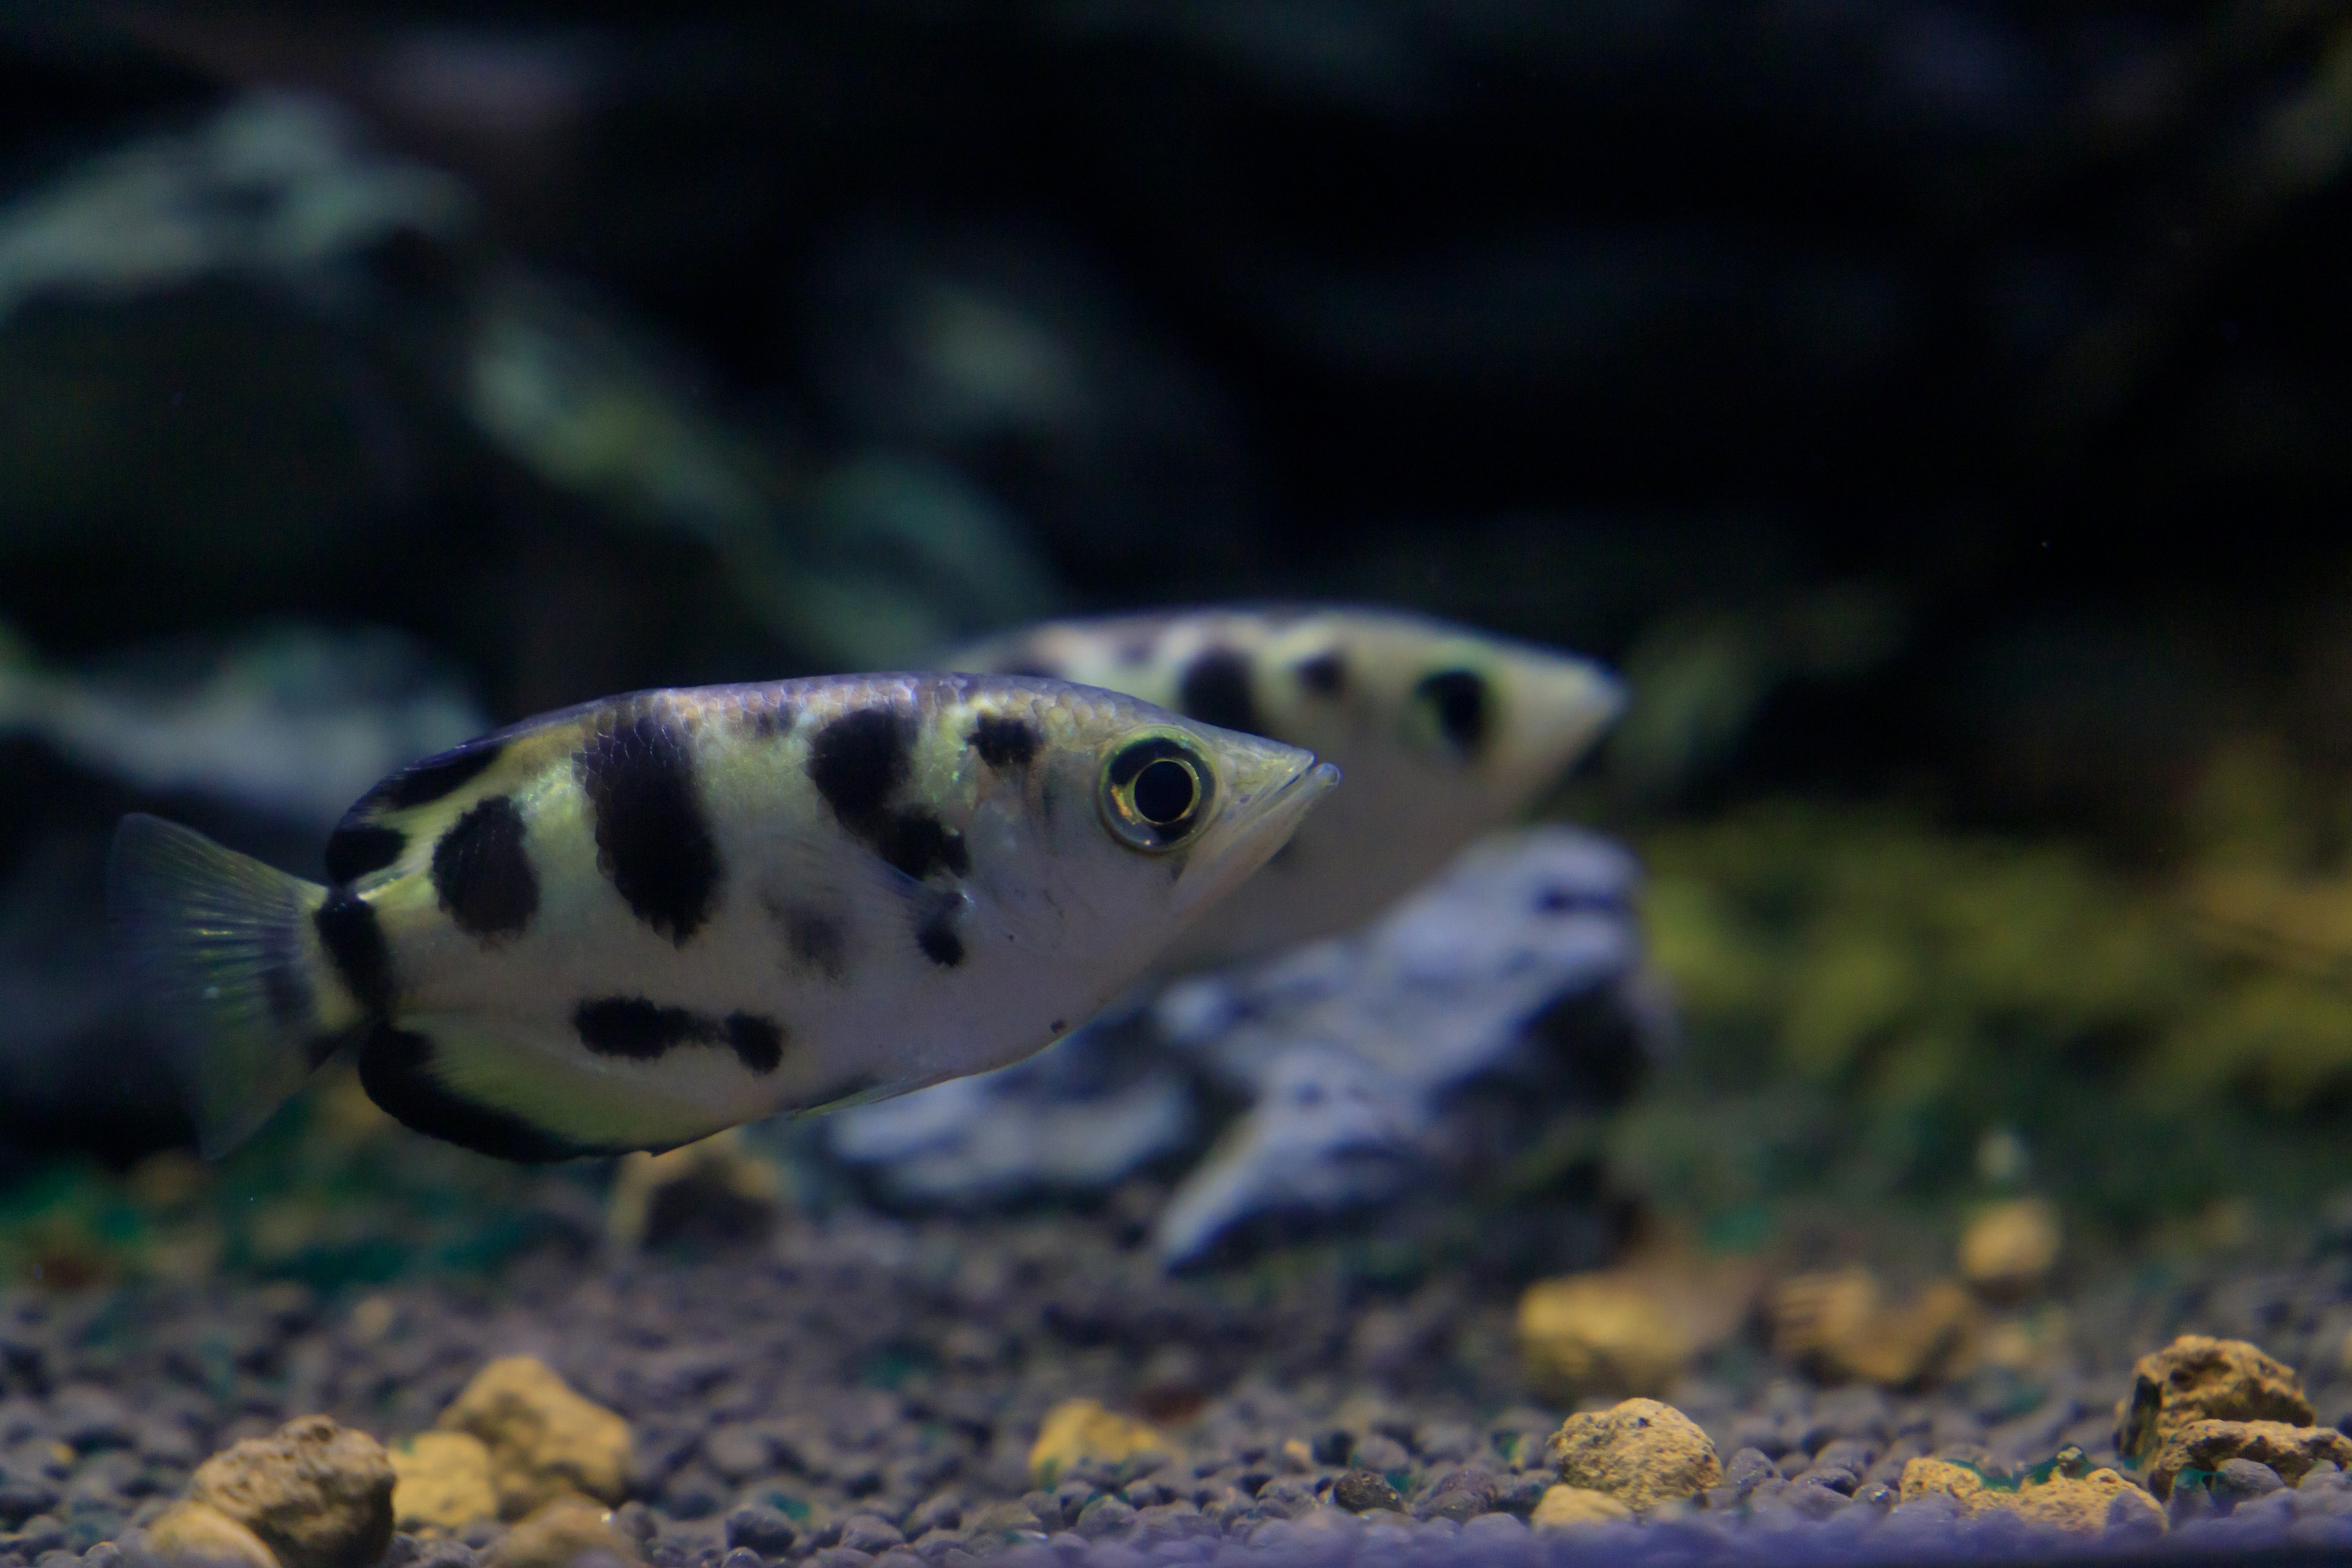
1445	733
638	921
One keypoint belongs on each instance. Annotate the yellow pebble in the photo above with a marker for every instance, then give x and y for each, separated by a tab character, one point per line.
444	1482
1571	1508
1078	1430
193	1531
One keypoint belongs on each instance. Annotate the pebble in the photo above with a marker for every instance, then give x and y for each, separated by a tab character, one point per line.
191	1530
2009	1248
443	1480
2201	1378
545	1439
1363	1492
1639	1452
2289	1451
1603	1333
318	1494
560	1534
1571	1508
1078	1431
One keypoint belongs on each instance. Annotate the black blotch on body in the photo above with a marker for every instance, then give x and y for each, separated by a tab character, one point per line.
810	934
422	782
758	1042
642	1030
397	1070
1058	1024
936	933
1460	699
1004	742
1216	690
482	871
359	847
813	936
652	839
918	843
857	762
348	930
636	1028
1324	674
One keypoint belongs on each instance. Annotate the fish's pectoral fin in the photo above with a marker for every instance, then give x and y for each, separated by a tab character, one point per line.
516	1097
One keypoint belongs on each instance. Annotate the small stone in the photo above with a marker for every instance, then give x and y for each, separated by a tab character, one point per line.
1940	1478
319	1494
2289	1451
1362	1491
1003	1522
2009	1248
2087	1505
870	1532
1749	1468
2243	1480
714	1191
442	1481
1641	1452
767	1531
193	1531
545	1440
2195	1378
1575	1508
1460	1497
1080	1430
1838	1325
1598	1334
1104	1517
558	1535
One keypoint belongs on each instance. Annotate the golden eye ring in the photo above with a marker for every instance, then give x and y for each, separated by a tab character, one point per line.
1155	791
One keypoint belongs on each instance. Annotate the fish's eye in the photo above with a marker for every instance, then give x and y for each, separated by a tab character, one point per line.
1155	791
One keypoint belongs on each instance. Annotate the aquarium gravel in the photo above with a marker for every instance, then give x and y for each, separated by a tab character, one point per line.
864	1390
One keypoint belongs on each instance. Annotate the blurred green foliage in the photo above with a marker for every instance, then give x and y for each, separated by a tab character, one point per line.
1870	999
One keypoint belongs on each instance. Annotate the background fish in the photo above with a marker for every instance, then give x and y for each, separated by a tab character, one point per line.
1443	732
635	923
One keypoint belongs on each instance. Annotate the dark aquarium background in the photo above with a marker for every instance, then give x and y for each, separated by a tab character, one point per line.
1939	412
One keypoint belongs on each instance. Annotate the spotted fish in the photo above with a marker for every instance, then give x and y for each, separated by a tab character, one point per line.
636	922
1443	732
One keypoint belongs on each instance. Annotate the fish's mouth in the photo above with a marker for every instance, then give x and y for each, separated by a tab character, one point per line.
1258	823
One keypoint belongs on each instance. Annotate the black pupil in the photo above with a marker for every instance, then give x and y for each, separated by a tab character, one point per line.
1163	791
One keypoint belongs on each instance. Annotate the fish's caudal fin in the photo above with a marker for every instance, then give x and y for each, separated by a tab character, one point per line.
218	950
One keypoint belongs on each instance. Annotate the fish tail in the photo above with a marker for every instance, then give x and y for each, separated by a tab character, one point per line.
216	947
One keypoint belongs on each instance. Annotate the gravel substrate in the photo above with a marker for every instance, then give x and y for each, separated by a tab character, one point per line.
867	1391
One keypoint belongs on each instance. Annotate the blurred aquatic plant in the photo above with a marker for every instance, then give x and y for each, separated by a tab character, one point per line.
1866	994
332	1192
249	342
